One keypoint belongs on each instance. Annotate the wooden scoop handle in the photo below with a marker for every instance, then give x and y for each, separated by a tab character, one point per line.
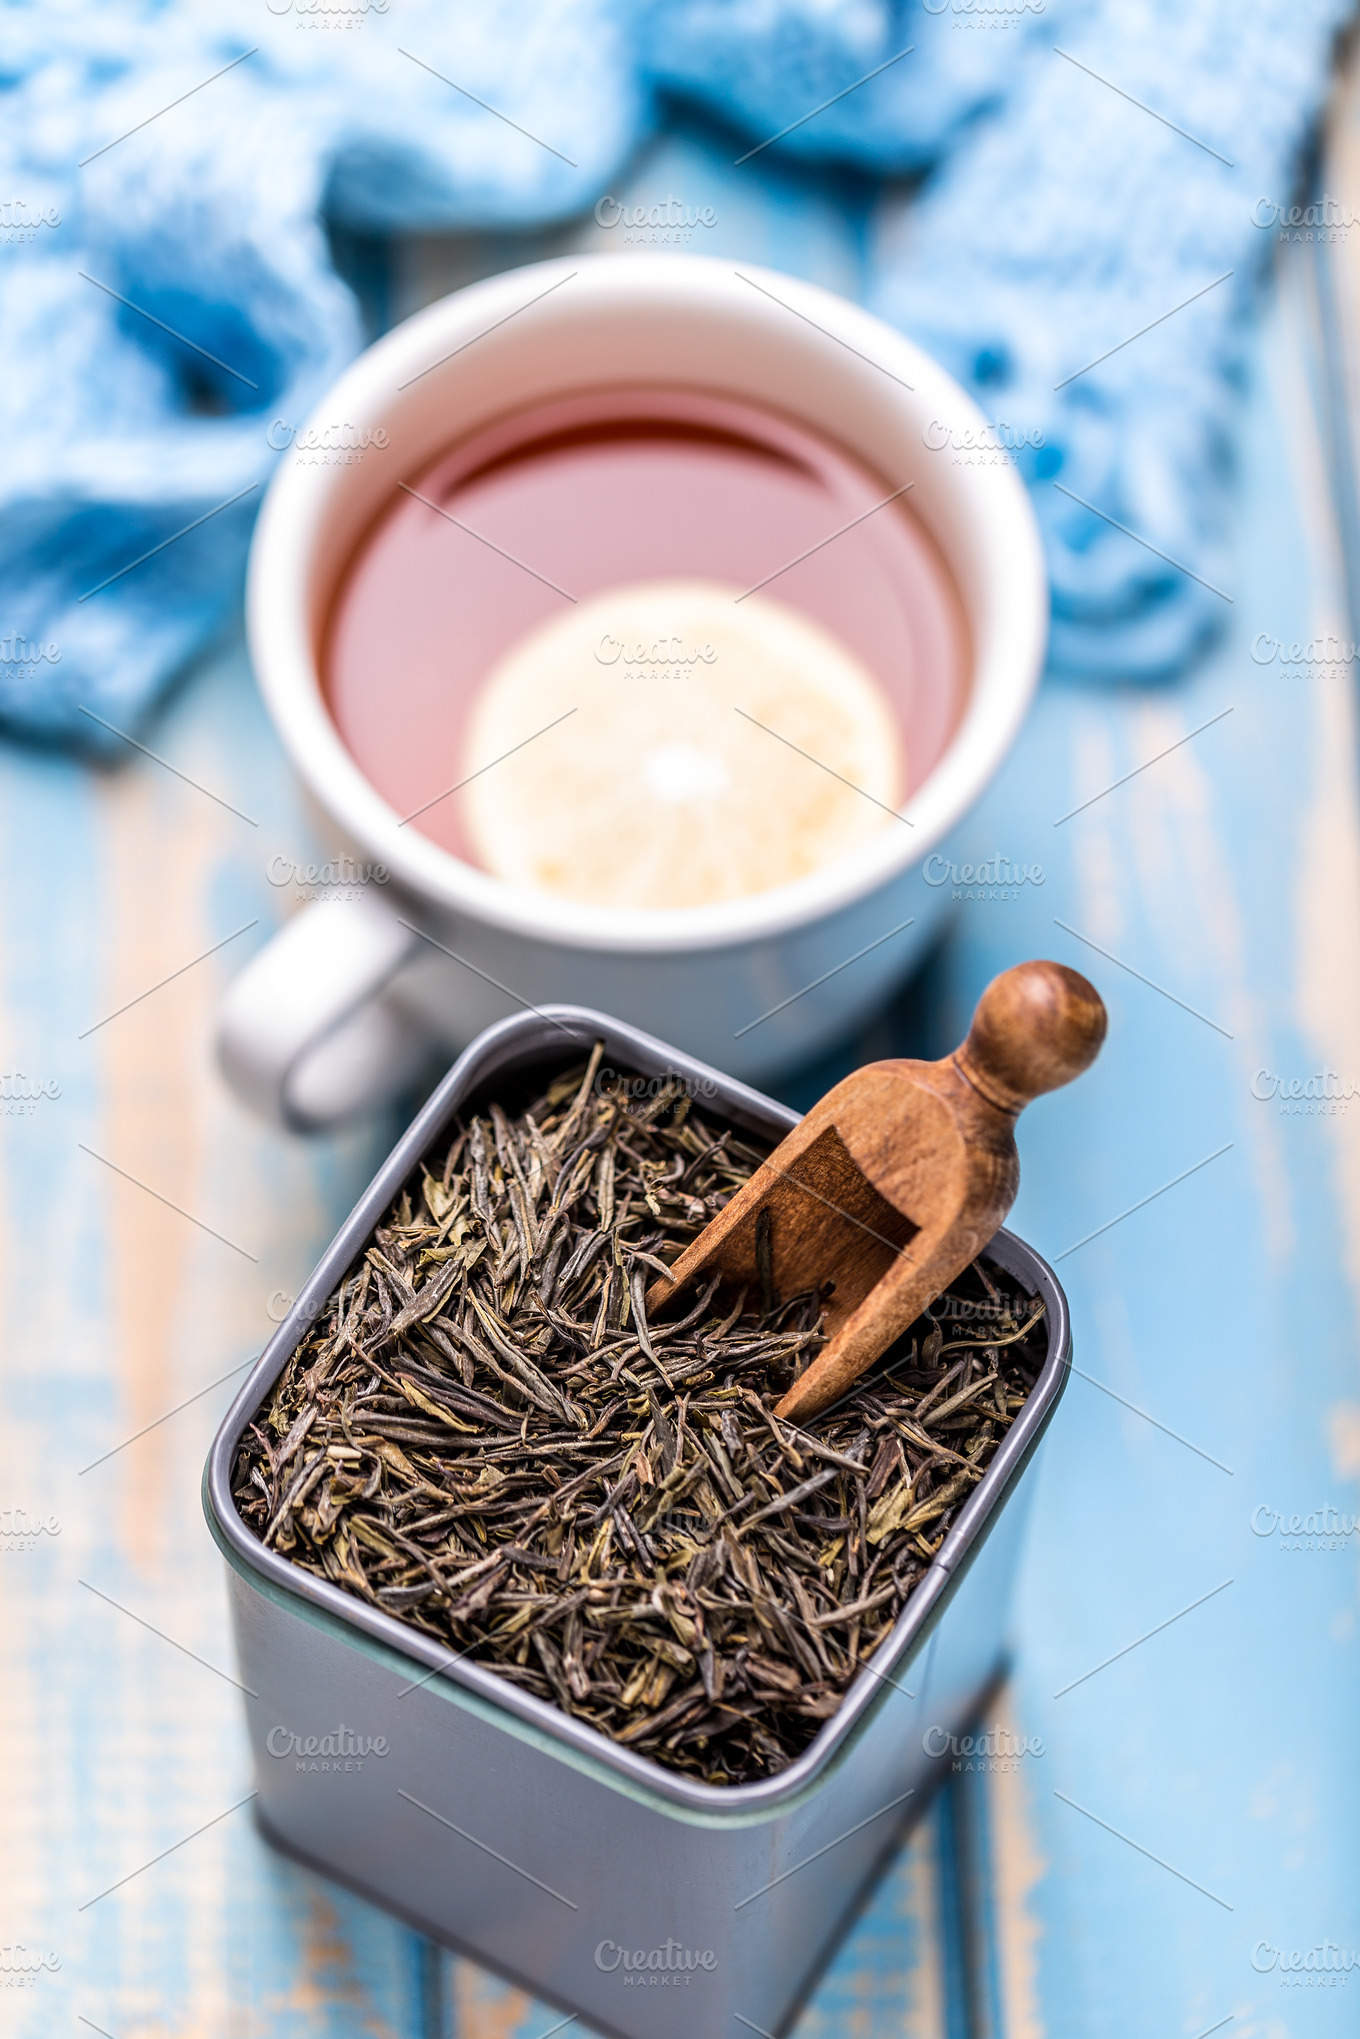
938	1144
1035	1028
898	1177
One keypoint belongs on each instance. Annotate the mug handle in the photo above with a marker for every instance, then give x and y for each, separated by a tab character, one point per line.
305	1034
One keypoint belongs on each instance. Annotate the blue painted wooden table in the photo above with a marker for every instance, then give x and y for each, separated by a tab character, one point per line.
1178	1836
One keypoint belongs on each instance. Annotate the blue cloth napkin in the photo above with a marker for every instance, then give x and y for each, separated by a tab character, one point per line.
1075	173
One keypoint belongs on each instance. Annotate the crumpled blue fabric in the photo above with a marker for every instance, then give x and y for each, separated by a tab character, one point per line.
1028	219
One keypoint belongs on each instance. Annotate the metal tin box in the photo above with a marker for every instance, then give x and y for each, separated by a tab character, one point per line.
652	1905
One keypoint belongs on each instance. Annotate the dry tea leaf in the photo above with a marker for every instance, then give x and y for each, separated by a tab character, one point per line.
483	1435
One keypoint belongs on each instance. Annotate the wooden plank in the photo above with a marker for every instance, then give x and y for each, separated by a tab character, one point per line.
1224	1307
117	1308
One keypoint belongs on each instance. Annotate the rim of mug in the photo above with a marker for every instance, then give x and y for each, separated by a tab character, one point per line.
282	603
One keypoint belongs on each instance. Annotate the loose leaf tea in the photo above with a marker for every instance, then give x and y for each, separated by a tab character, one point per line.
484	1435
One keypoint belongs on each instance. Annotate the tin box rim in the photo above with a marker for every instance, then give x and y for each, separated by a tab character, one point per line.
502	1050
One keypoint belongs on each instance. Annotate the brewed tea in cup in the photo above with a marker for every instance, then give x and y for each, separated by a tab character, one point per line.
647	647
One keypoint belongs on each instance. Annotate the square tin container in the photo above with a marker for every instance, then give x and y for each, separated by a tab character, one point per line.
652	1905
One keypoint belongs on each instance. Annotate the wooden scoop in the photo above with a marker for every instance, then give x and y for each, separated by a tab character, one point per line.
898	1178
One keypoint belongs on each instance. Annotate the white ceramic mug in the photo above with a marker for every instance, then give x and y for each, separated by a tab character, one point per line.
341	1006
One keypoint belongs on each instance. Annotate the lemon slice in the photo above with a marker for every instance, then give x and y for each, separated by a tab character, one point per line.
711	748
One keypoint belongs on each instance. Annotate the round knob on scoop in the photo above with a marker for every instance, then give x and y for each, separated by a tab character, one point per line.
1036	1027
